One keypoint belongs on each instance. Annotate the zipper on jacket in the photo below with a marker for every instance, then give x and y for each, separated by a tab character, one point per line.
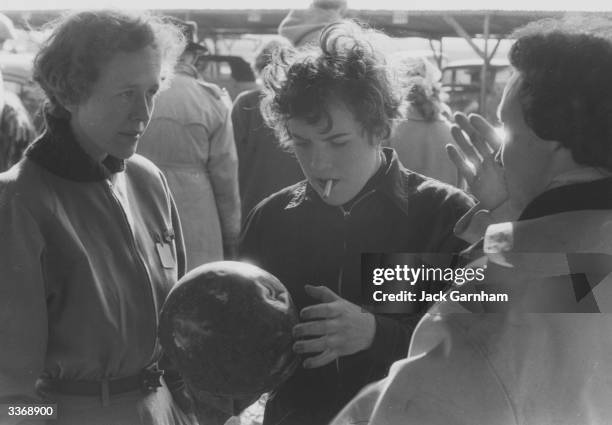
132	238
346	215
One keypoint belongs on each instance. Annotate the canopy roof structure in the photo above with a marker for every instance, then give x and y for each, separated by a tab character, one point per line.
432	24
238	17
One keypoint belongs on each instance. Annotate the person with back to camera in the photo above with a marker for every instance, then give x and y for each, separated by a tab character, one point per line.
91	241
544	225
191	139
420	138
263	166
333	104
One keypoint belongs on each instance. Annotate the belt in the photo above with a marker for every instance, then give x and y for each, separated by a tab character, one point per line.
147	381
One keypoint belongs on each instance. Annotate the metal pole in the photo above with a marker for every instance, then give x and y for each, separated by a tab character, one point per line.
463	33
485	67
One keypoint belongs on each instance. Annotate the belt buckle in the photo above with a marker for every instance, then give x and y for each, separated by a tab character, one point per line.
151	379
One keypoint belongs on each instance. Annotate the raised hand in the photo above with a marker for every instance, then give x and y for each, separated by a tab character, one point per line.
477	159
335	327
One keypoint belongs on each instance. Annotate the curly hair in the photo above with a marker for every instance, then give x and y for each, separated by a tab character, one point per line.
346	68
566	91
266	53
69	61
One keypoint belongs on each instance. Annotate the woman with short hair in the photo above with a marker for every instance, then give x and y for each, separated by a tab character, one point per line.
91	241
420	138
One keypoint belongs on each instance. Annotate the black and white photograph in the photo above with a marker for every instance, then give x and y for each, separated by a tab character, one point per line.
305	212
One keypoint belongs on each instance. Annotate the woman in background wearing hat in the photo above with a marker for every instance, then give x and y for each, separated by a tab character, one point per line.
304	26
90	239
333	105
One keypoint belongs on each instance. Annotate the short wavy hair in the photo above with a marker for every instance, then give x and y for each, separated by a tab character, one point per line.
566	91
266	54
81	43
345	67
421	82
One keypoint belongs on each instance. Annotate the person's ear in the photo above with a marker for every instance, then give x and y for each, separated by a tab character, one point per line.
373	139
68	105
376	141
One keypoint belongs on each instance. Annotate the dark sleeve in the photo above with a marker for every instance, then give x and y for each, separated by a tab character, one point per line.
240	122
394	331
451	210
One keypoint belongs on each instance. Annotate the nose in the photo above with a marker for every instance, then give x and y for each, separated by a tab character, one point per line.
142	108
321	159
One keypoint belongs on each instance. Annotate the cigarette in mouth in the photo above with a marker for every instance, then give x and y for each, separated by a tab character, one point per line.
328	188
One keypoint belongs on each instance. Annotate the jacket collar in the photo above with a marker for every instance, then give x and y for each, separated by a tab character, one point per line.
387	180
567	219
57	151
186	69
590	195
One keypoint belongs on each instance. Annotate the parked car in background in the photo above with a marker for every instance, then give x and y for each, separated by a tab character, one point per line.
232	73
461	80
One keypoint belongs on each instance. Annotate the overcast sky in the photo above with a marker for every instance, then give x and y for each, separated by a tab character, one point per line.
574	5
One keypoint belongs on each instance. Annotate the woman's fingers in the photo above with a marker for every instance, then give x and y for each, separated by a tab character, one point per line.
482	135
461	163
491	138
465	145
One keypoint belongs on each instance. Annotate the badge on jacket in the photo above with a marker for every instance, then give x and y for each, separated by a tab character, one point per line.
164	249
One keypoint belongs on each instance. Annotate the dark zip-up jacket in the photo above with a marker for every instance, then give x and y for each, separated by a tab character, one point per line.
302	240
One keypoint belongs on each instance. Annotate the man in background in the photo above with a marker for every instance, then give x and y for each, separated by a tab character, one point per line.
263	166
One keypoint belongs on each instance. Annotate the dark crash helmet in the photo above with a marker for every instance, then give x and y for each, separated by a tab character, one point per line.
227	327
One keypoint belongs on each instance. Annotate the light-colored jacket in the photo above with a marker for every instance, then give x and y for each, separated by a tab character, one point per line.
543	358
190	138
86	261
421	146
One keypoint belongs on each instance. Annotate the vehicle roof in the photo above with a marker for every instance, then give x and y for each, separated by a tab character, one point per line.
463	63
16	66
403	21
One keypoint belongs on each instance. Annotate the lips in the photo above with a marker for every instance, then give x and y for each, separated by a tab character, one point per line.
131	134
322	182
